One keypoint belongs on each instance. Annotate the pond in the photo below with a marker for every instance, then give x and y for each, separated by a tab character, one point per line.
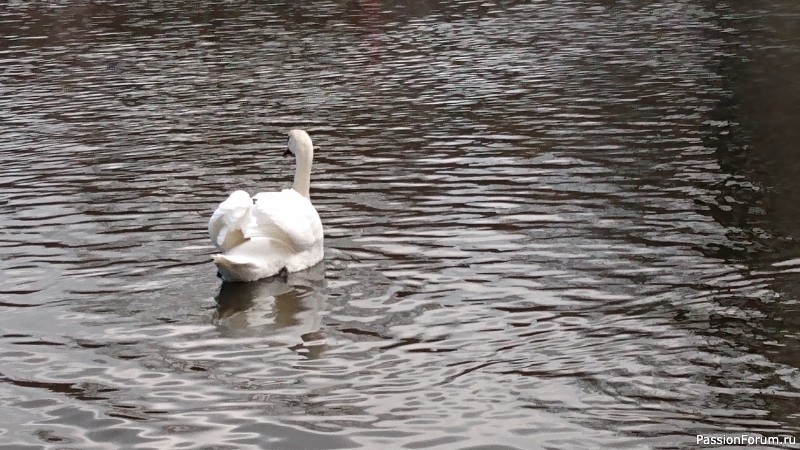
547	224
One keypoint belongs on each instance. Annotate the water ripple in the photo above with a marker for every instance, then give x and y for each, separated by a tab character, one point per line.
540	226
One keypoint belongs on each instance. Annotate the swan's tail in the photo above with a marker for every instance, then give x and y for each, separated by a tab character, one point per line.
235	269
252	260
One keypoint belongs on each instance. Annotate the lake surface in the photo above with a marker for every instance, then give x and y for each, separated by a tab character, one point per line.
548	224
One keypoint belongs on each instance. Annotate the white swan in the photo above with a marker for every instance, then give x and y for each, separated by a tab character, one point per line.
261	236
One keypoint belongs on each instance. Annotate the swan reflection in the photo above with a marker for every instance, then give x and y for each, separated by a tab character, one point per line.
289	311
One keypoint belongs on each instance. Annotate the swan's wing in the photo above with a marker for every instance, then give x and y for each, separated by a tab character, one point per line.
226	225
287	216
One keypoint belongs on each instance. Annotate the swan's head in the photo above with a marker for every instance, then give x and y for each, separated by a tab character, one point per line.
299	144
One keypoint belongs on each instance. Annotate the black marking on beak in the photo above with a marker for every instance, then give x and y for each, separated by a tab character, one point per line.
287	152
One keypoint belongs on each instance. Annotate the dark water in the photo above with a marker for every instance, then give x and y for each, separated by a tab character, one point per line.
548	224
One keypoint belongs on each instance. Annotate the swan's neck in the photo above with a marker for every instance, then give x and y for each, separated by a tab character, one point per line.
302	174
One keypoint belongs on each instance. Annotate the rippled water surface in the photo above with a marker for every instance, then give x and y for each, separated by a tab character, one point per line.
548	224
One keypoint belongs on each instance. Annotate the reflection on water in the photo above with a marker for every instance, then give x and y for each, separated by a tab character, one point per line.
548	225
288	309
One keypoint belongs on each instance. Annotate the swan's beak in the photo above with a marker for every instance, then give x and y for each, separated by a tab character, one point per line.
288	152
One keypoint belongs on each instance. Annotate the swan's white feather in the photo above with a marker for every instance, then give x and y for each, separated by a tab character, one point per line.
287	216
227	222
254	259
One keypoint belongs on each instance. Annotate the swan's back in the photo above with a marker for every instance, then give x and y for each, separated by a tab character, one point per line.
288	216
280	230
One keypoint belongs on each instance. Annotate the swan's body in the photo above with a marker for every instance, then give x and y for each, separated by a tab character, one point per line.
262	235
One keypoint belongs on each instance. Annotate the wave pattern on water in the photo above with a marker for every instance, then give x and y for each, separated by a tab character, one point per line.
540	230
